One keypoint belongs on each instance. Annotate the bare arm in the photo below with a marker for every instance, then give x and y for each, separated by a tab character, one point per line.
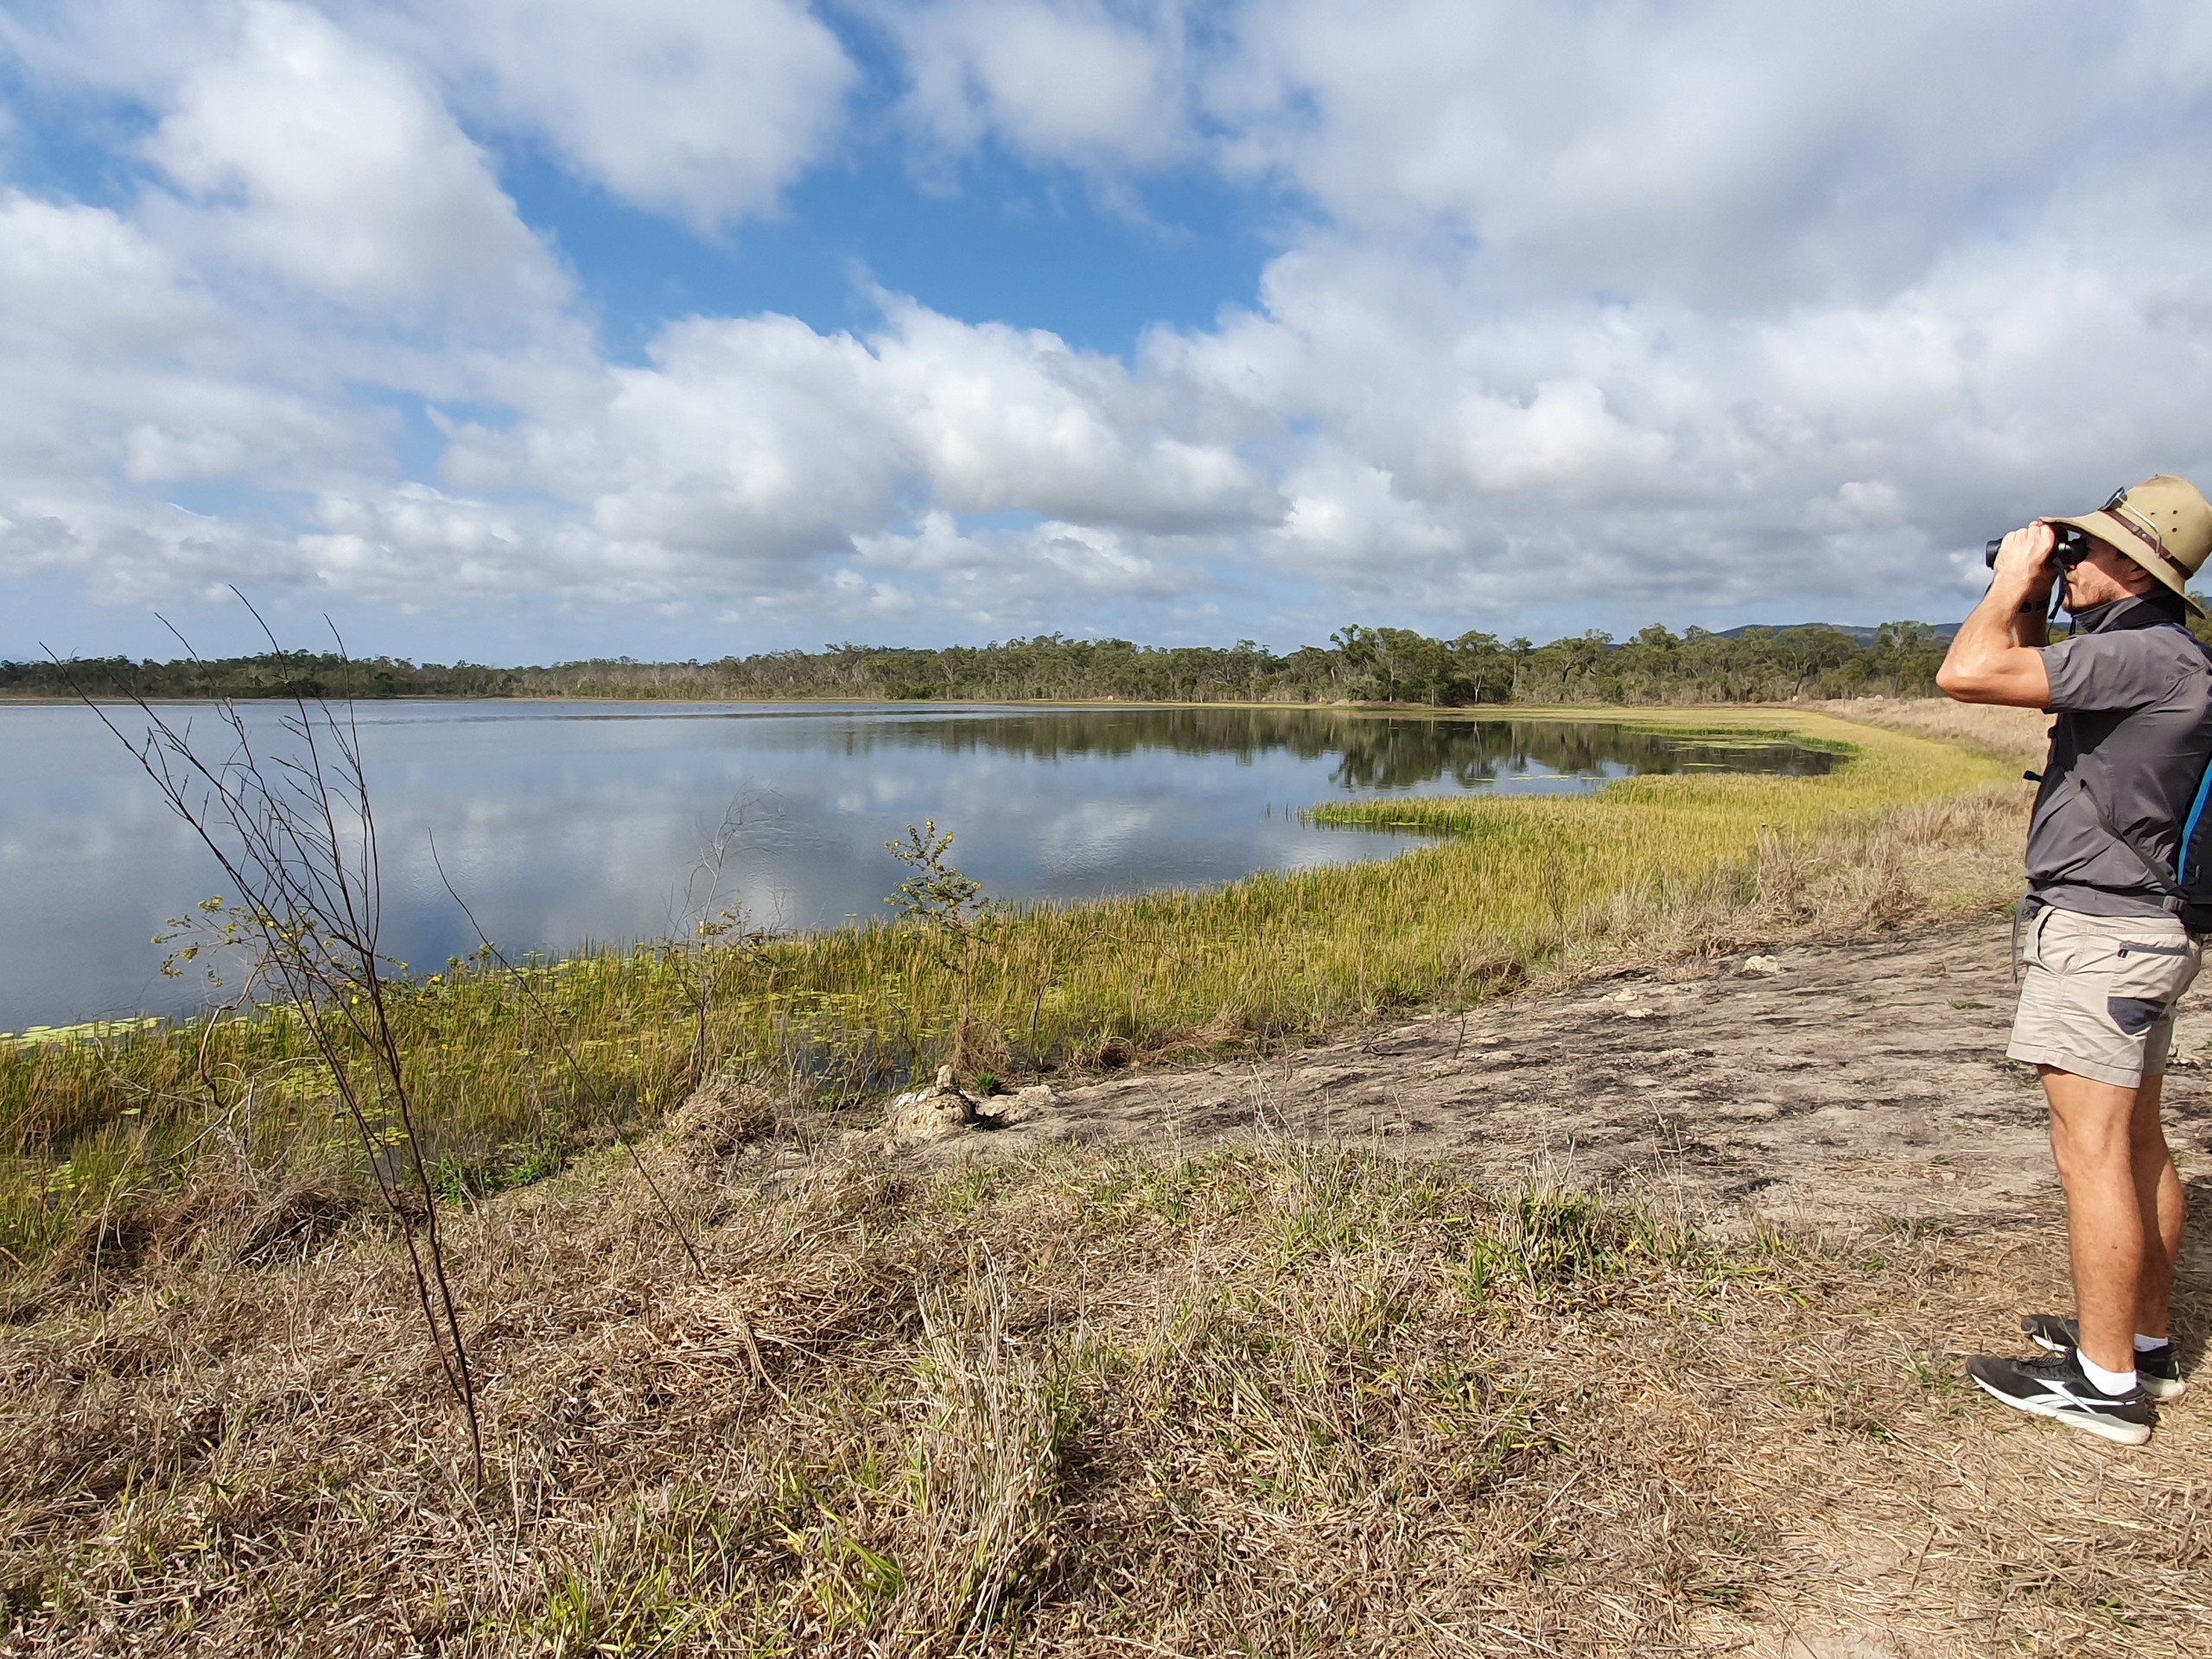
1992	658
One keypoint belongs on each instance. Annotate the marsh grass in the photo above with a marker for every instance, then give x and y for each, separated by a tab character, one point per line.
1275	1399
1512	890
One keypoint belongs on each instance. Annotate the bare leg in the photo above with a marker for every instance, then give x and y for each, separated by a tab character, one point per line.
2093	1137
2160	1202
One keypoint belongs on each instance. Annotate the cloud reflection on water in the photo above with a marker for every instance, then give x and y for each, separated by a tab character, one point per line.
563	823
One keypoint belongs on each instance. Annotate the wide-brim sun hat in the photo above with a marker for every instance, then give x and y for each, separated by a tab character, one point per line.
2162	524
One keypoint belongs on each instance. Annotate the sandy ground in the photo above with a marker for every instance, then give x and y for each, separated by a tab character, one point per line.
1829	1088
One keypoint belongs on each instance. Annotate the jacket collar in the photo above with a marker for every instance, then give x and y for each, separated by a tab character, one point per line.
2120	615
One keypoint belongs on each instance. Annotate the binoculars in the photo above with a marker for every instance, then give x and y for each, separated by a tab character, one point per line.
2072	547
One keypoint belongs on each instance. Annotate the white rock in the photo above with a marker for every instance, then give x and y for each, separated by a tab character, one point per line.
1762	966
929	1114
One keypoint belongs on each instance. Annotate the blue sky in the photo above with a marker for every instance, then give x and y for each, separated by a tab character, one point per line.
528	330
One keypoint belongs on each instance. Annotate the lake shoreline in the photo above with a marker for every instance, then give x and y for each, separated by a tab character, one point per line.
1427	710
520	1073
564	822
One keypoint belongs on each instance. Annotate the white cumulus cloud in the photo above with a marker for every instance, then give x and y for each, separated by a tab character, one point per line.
760	440
1077	82
312	154
703	112
1618	309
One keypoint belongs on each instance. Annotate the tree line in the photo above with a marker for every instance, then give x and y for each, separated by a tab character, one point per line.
1360	663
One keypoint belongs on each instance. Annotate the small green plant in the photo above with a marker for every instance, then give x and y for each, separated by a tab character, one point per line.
211	929
935	894
949	905
458	1180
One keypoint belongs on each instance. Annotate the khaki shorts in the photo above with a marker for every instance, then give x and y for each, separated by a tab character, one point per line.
2097	994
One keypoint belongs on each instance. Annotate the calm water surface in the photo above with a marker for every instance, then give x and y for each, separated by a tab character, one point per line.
563	823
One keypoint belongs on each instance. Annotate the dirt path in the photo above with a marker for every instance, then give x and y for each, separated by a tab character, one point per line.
1841	1087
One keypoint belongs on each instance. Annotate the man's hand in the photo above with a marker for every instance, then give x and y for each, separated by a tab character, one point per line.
2024	556
1987	663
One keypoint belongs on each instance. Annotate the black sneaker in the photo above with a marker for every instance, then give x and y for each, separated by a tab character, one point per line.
2158	1370
2051	1385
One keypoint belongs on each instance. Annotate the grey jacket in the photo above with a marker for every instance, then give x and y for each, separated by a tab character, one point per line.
2133	697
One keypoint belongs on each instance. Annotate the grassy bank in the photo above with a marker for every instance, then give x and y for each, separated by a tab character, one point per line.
1275	1400
512	1080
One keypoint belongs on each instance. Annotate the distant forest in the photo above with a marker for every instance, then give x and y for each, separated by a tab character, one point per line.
1358	664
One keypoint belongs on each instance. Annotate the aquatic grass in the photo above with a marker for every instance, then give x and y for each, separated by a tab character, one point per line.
87	1031
1513	887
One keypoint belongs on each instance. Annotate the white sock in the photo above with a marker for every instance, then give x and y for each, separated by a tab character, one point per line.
2150	1344
2104	1382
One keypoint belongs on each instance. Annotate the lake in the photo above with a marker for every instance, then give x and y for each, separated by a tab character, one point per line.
566	823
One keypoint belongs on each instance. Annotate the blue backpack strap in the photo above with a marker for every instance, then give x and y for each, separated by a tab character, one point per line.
2188	828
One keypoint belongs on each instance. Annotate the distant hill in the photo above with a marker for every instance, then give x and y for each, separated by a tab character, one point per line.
1858	634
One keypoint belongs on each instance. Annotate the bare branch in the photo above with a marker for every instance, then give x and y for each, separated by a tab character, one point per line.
313	896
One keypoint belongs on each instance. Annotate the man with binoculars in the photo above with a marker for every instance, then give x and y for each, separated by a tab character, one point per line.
2111	926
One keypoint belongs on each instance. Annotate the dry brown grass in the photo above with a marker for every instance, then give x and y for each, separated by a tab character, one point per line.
1285	1400
2009	734
1913	865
